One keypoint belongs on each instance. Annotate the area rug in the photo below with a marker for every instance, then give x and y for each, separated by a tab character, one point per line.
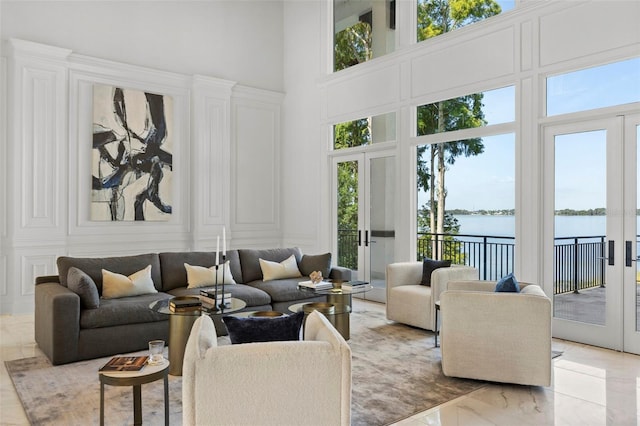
396	373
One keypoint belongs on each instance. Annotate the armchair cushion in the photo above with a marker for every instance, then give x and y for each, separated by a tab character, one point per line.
256	329
430	265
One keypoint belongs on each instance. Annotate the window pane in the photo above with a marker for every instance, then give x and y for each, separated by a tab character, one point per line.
466	112
474	183
365	131
597	87
437	17
363	30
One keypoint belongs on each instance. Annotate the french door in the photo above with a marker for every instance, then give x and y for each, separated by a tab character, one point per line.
591	231
364	216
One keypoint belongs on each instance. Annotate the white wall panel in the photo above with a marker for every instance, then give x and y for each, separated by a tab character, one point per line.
588	29
256	163
478	59
32	266
42	146
210	158
3	155
85	73
363	91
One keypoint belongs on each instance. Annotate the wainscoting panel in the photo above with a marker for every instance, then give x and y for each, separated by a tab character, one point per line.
210	171
255	162
38	111
81	86
576	32
46	202
487	57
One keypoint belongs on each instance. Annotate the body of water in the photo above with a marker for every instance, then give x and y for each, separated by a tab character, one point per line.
504	226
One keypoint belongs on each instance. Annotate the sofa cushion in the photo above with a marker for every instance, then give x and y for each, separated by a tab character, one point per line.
115	286
82	284
250	263
288	268
201	276
174	275
123	311
256	329
285	290
317	262
430	265
250	295
125	265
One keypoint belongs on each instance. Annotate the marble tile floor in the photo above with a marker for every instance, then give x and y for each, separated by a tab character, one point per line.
591	386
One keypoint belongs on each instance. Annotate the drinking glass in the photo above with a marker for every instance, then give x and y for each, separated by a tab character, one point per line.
156	347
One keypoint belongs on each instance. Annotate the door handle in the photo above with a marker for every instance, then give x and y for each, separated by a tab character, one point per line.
366	238
611	256
359	238
628	259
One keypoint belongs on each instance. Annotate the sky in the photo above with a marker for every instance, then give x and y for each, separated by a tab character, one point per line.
487	181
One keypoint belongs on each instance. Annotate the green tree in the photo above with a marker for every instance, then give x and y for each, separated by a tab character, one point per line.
352	46
436	17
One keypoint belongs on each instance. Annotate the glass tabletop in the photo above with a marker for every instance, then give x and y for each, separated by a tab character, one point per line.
162	307
340	290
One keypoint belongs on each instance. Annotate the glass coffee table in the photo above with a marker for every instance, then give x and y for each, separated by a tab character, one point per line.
341	299
180	324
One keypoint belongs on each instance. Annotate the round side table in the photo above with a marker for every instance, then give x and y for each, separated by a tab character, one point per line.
150	373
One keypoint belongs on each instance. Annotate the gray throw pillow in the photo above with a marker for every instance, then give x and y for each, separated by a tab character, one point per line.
82	284
430	265
317	262
263	329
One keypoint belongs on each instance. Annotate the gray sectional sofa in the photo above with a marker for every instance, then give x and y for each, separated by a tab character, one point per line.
66	330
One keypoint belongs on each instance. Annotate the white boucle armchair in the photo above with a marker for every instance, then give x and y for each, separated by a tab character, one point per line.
304	382
499	337
410	303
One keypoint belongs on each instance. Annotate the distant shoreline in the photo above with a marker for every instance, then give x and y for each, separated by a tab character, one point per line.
511	212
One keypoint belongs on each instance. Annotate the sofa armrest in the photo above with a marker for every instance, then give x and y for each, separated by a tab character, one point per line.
57	322
340	273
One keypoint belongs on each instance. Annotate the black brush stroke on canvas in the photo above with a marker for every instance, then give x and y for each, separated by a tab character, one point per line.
150	160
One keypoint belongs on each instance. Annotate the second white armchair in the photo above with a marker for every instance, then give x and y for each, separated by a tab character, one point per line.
411	303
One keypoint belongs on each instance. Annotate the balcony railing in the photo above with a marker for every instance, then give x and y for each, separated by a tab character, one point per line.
579	261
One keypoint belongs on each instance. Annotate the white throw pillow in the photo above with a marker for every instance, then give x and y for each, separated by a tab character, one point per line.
115	285
288	268
199	276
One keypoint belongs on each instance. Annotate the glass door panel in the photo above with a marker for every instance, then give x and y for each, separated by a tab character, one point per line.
381	223
585	241
631	302
365	217
580	227
347	216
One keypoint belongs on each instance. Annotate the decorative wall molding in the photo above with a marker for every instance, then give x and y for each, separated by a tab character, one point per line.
46	205
211	109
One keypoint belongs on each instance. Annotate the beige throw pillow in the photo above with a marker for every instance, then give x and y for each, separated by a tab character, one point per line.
115	285
199	276
288	268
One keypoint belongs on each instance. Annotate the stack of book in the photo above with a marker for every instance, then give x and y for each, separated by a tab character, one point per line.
124	364
209	301
184	304
322	285
352	285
